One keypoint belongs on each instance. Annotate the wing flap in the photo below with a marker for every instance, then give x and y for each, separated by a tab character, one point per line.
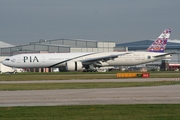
103	58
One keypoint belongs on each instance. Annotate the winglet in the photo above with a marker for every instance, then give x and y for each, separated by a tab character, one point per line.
159	44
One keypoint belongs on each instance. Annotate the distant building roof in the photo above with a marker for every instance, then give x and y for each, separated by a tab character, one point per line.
174	41
144	44
3	44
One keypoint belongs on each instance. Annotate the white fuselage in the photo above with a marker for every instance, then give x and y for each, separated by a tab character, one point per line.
60	59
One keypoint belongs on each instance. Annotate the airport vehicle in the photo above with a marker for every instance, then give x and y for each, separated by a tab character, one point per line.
90	61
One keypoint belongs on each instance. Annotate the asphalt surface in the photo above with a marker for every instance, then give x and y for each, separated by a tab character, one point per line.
130	95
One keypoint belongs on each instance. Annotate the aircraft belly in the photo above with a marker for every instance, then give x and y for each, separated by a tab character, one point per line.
60	65
121	62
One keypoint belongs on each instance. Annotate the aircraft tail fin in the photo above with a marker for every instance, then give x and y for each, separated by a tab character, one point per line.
159	44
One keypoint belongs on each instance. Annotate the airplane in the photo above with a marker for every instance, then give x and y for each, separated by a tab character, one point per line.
92	60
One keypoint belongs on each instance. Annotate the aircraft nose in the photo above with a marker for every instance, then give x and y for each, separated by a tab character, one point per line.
6	61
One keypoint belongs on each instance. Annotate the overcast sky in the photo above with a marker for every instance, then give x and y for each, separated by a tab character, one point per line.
24	21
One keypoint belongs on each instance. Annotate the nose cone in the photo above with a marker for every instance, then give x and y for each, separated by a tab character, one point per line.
3	62
6	62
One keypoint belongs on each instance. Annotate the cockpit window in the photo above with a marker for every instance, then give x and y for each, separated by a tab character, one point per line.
149	57
7	59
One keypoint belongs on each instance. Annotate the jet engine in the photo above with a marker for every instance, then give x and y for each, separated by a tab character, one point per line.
74	66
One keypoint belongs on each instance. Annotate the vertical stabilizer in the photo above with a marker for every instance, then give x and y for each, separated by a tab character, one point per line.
159	44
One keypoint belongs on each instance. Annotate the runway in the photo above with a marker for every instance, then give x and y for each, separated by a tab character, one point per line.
130	95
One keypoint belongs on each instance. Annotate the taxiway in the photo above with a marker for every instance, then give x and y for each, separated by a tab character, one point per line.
130	95
94	80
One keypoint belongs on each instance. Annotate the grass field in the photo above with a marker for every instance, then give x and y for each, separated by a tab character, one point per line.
53	86
78	75
87	112
93	112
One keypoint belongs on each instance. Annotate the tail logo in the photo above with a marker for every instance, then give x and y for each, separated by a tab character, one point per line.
159	44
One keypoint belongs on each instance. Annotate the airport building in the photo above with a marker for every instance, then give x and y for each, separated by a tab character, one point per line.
60	46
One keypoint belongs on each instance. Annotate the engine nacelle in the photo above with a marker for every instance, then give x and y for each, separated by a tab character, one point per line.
74	66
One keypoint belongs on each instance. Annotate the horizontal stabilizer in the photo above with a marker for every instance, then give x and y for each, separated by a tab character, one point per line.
164	54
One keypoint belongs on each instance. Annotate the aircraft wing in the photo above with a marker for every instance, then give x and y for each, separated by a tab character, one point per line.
164	54
103	58
92	60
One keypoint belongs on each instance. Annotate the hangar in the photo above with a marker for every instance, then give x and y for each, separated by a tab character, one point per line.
60	46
